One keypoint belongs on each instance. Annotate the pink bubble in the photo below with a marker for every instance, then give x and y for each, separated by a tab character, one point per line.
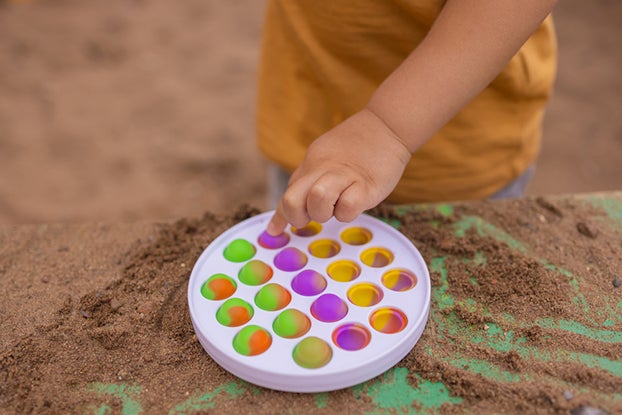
352	336
329	308
309	283
290	259
273	242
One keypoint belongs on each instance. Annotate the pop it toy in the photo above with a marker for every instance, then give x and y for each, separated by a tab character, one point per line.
318	308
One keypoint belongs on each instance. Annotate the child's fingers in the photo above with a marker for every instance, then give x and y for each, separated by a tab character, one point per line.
323	195
293	206
277	223
352	202
294	201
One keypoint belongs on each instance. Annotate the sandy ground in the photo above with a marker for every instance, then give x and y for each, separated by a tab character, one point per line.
525	316
130	109
135	111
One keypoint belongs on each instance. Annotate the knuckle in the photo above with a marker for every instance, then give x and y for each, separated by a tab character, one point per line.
294	211
289	202
348	208
318	192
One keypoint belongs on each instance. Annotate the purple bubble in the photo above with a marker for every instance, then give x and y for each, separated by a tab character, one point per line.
290	259
353	336
309	283
273	242
329	308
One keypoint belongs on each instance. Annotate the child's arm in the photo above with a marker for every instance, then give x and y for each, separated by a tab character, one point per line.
357	164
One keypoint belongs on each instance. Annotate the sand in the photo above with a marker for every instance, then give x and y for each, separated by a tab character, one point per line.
524	318
118	118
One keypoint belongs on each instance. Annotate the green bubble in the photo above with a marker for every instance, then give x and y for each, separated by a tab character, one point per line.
234	312
252	340
291	324
255	272
272	297
218	287
312	353
239	250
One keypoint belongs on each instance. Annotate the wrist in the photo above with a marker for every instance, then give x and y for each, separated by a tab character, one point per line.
393	139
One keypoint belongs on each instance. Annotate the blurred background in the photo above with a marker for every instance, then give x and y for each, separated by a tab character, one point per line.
120	110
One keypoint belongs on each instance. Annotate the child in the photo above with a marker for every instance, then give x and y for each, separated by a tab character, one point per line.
408	101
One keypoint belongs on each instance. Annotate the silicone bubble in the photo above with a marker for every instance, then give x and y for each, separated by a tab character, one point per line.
344	270
310	229
365	294
324	248
329	308
388	320
255	272
356	236
239	250
352	336
218	287
291	324
377	257
268	241
252	340
399	279
272	297
309	283
234	312
290	259
312	353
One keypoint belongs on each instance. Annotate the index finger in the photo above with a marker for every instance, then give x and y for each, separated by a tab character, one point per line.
277	223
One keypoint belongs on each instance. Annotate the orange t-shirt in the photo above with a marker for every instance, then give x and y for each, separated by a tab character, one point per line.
322	61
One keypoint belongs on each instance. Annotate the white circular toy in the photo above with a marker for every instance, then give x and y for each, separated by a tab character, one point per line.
314	309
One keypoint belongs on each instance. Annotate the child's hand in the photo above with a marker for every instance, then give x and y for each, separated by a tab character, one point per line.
349	169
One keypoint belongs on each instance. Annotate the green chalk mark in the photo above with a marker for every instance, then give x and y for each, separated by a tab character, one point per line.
472	305
392	392
443	300
606	336
579	298
508	317
484	228
445	209
479	258
402	210
484	368
126	393
497	338
505	341
612	207
205	400
321	400
612	366
615	315
393	222
103	410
